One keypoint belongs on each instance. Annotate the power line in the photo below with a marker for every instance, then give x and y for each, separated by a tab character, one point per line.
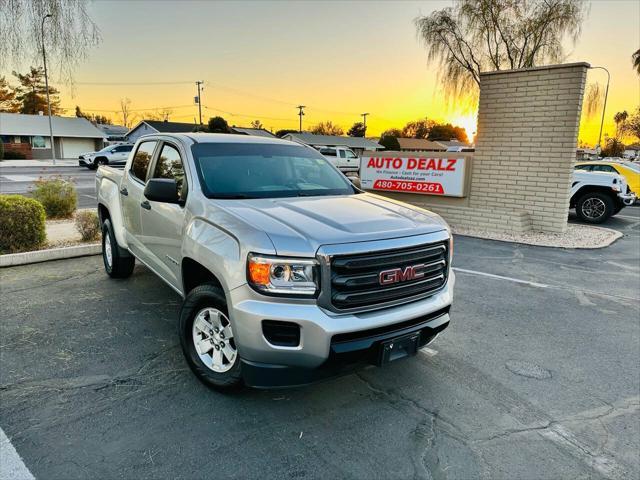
106	84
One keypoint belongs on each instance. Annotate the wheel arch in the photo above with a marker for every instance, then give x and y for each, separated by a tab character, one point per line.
195	274
591	189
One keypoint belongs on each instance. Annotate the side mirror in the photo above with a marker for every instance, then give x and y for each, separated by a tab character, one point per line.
162	190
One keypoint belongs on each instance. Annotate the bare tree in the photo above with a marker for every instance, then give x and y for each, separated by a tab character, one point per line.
475	36
125	110
327	128
257	124
69	33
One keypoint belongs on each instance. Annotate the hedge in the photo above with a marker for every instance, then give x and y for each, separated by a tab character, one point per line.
22	225
11	155
57	196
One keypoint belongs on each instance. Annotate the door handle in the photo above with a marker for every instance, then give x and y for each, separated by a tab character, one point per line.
124	191
146	205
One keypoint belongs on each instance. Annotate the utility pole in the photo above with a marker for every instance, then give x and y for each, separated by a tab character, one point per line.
604	107
46	83
300	114
364	122
198	83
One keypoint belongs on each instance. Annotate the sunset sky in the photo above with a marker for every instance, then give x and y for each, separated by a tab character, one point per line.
261	59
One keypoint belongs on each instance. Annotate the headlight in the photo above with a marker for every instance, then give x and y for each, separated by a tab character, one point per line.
282	276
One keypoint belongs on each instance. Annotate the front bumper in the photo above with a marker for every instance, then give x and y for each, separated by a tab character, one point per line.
627	198
265	364
84	162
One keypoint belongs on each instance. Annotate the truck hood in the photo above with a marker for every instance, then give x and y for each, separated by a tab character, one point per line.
299	226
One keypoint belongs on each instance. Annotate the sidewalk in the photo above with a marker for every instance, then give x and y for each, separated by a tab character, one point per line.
38	163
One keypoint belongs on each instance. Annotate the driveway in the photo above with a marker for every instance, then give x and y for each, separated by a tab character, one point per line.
537	377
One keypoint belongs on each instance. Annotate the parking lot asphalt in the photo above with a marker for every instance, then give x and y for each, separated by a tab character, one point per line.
531	380
21	180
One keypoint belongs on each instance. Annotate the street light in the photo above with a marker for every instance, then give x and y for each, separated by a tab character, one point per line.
46	82
604	107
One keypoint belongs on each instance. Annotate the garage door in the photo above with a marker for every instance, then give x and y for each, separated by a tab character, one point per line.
73	147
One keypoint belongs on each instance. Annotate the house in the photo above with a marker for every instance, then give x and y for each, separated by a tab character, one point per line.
585	154
256	132
357	144
114	133
632	151
29	134
420	145
147	127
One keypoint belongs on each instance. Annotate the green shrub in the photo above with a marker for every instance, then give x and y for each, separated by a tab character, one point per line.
21	224
88	225
11	155
57	195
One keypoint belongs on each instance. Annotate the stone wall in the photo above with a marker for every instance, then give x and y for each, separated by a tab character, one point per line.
528	124
520	174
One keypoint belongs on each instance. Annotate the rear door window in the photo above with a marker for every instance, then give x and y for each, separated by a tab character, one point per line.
141	160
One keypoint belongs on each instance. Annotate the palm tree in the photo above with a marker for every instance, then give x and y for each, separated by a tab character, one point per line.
620	118
636	60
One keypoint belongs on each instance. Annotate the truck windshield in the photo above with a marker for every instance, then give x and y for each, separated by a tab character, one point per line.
248	170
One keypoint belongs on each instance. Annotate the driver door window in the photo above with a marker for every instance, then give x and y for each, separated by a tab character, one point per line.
169	165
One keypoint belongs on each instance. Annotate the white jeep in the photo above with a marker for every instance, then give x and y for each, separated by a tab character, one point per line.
597	196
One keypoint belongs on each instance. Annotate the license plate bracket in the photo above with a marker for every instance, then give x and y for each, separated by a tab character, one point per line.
397	348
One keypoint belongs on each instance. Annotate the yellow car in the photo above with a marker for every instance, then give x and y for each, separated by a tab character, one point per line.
630	171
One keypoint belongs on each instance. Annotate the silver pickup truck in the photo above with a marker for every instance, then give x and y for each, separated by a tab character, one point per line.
289	273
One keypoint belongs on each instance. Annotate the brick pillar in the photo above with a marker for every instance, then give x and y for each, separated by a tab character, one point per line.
526	147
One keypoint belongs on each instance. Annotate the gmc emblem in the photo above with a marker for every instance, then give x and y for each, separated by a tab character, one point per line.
395	275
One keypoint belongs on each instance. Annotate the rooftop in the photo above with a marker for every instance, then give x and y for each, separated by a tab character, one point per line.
334	140
38	125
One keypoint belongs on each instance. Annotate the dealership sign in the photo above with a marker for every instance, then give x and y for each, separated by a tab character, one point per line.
430	176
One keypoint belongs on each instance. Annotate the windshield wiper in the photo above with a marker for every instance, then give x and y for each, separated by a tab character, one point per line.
232	196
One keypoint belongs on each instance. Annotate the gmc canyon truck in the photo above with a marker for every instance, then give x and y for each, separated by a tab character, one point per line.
288	272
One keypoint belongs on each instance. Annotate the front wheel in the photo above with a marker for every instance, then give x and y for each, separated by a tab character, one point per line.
207	338
594	207
116	264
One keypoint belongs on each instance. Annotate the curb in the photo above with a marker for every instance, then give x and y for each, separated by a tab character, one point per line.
616	235
25	258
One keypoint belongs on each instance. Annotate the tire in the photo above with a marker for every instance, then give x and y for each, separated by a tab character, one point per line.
92	166
116	264
100	161
594	207
203	311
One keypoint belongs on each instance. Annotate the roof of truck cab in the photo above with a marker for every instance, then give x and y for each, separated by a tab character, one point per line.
230	138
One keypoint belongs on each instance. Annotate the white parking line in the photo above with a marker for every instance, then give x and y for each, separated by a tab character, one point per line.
630	217
500	277
11	465
20	178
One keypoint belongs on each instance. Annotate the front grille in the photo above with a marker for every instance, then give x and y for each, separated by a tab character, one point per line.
355	279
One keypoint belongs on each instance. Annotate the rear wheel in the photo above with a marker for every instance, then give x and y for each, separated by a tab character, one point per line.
595	207
116	264
207	338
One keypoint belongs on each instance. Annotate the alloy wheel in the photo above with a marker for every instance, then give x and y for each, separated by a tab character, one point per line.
593	208
213	340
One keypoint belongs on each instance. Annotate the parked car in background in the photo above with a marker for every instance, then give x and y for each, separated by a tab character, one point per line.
113	155
461	149
597	196
289	273
630	171
342	157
